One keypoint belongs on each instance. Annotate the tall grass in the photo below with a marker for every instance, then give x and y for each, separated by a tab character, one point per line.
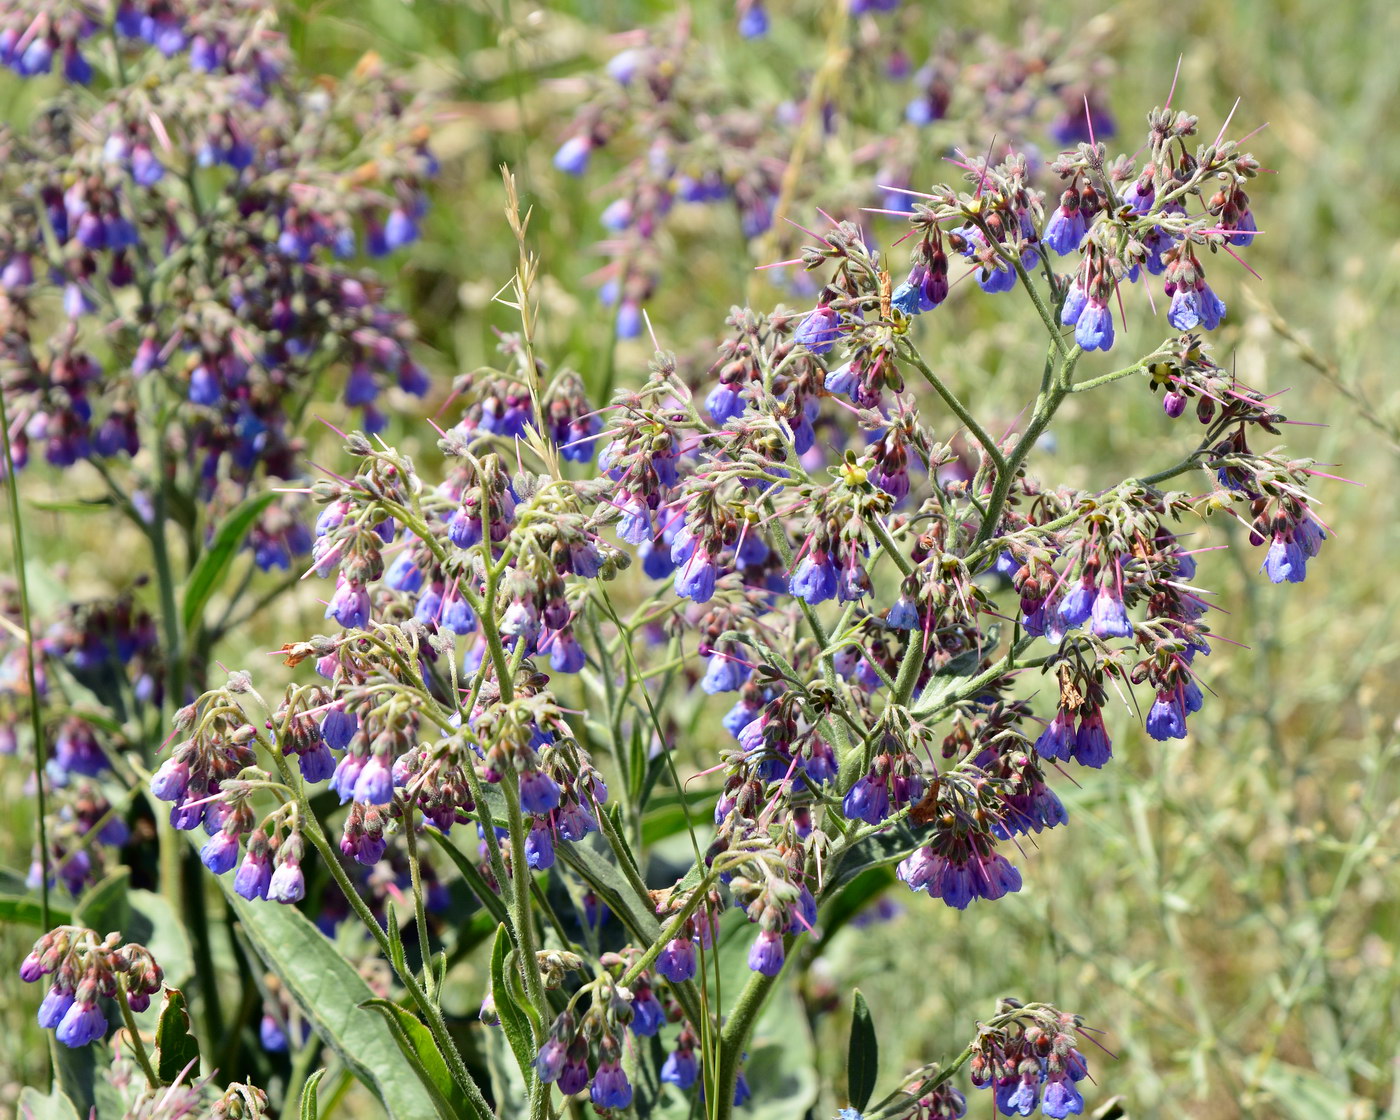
1225	908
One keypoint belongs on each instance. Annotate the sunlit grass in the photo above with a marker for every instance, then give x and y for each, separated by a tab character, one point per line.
1225	908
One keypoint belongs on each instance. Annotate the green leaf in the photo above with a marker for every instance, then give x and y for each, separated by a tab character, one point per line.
309	1108
19	904
78	1075
34	1105
330	993
395	935
419	1049
609	884
209	570
154	924
852	898
862	1055
514	1021
507	1085
70	505
485	895
177	1050
106	907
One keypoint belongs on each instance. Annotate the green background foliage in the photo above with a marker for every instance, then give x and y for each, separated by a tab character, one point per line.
1223	907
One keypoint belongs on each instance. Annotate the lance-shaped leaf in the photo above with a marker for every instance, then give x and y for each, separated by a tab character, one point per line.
862	1055
331	995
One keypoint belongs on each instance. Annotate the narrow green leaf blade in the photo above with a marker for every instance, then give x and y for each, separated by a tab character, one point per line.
610	885
329	992
177	1050
513	1019
419	1049
71	505
309	1108
20	906
209	570
862	1056
391	928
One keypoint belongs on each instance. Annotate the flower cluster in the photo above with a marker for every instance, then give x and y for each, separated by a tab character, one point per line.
210	778
1031	1059
586	1054
686	138
1119	221
190	215
82	826
86	969
865	569
190	1098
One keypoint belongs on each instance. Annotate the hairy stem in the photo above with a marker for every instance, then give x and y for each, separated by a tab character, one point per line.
138	1047
989	445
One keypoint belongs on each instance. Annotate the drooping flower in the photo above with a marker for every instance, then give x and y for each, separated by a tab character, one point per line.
1093	329
1109	618
611	1089
820	330
1167	717
766	954
572	156
676	962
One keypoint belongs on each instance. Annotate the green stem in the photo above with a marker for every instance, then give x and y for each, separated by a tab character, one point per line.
882	535
436	1024
909	666
973	685
979	433
520	902
137	1045
672	930
419	912
36	721
1182	467
1051	326
1045	408
1116	375
735	1036
898	1101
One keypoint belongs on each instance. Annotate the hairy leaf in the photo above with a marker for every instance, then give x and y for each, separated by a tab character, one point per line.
34	1105
309	1107
514	1020
330	994
208	572
422	1053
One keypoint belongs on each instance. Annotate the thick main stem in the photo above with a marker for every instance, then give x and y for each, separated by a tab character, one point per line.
1046	405
734	1037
